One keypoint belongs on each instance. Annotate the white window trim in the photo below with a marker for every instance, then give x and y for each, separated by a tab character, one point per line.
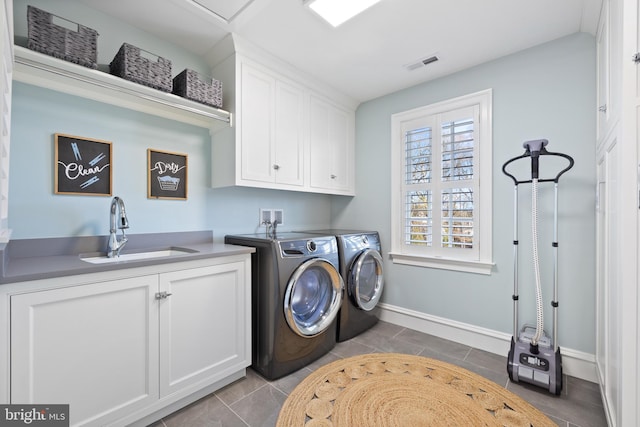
399	253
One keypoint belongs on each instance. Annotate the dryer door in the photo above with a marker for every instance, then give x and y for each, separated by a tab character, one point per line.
313	297
366	279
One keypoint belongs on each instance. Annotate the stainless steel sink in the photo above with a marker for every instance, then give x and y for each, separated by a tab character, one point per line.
137	256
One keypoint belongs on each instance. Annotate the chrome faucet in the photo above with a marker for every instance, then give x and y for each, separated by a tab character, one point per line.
115	245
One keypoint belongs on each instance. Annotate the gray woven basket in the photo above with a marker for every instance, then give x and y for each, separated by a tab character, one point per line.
79	47
191	85
131	65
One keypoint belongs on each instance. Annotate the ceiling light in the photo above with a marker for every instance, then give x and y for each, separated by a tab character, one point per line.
335	12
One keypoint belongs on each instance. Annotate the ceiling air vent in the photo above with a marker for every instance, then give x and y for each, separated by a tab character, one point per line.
421	63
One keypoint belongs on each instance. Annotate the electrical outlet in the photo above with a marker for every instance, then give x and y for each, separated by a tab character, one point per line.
270	216
278	215
265	217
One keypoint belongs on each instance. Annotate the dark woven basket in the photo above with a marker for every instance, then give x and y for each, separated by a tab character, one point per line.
131	65
79	47
191	85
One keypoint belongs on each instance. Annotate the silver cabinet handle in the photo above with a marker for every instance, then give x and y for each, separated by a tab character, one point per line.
163	295
276	167
333	176
603	108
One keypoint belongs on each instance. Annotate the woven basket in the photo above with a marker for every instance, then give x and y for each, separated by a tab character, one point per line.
191	85
130	64
79	47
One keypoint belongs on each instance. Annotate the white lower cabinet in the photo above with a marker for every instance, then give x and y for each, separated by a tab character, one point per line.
202	327
120	350
94	347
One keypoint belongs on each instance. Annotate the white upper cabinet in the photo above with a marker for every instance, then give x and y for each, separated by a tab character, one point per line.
331	146
603	71
608	69
270	129
289	133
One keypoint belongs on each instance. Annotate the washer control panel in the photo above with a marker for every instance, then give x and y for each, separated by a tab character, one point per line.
315	246
357	242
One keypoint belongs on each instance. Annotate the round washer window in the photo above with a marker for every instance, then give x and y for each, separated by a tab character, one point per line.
313	297
366	279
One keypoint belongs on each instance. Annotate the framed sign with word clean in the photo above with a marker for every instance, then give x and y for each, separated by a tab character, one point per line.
82	166
166	175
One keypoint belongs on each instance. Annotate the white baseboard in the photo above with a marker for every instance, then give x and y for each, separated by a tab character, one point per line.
574	363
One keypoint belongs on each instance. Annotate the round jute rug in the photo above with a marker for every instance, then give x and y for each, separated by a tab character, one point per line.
400	390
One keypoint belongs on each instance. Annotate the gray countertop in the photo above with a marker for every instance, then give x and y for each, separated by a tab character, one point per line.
33	259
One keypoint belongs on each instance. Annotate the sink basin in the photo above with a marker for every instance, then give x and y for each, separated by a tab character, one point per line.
137	256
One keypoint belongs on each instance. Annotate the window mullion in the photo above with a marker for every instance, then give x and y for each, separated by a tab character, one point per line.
437	186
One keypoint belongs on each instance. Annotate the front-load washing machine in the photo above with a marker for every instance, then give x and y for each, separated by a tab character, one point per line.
363	276
296	296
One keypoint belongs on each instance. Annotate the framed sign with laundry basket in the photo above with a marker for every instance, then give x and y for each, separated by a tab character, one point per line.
166	175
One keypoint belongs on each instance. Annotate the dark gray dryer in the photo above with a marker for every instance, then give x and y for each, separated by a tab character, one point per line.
296	296
362	272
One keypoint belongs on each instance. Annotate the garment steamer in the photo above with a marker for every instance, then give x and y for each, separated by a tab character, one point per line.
535	357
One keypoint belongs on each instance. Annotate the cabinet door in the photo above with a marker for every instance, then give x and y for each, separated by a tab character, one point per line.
204	325
271	129
604	73
6	72
94	347
331	146
289	144
256	130
607	281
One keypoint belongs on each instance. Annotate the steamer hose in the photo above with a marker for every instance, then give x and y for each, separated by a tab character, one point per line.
536	262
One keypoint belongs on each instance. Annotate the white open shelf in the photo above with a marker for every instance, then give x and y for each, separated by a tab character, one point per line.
42	70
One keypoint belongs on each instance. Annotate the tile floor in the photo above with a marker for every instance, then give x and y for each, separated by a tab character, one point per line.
255	402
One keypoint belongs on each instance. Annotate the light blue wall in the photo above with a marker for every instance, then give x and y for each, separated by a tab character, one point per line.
544	92
37	114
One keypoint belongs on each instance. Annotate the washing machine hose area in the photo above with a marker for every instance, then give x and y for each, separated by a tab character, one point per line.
534	357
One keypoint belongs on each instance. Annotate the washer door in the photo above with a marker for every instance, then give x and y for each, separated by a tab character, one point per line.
313	297
366	279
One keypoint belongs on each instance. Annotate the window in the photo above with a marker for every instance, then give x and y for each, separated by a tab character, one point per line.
441	180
